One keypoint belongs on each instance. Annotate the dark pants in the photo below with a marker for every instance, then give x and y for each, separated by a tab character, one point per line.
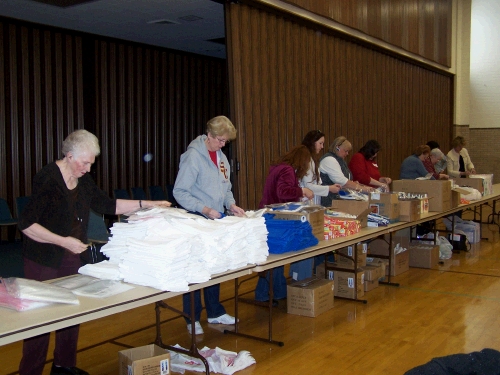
35	348
212	304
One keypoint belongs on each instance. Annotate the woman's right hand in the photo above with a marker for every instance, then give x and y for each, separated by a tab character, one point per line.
335	188
307	193
74	245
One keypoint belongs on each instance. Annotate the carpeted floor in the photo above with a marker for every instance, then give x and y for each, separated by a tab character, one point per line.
11	260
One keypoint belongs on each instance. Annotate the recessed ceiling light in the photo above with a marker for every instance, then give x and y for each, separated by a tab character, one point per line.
162	22
190	18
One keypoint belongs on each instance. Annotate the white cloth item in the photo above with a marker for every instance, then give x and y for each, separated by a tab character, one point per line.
103	270
219	361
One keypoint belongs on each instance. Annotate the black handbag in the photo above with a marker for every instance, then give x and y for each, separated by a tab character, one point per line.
460	244
93	254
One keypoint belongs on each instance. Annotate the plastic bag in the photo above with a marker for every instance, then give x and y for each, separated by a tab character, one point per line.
37	291
13	303
445	247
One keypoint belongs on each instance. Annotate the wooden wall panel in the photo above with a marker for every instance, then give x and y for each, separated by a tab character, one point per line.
422	27
151	102
137	99
297	79
40	101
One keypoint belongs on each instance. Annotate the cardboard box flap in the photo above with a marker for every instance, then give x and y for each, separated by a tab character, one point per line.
458	189
359	216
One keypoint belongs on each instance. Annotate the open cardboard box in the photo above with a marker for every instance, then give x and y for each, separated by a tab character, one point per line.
360	209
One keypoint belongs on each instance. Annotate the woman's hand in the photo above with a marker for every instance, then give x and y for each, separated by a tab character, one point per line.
443	176
472	171
211	213
335	188
160	204
385	180
307	193
237	211
74	245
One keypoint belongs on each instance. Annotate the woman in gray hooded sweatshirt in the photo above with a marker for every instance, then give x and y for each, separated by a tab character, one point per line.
203	186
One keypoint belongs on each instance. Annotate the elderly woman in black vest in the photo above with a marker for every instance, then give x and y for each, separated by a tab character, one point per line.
334	170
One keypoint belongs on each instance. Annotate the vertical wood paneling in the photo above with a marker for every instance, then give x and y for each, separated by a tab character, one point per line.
327	83
422	27
41	101
146	100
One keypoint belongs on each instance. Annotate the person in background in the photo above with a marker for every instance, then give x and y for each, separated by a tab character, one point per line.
282	186
364	167
440	166
413	166
459	163
203	187
314	141
54	223
333	169
435	156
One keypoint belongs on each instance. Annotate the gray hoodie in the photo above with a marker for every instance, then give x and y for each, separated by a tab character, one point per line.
199	182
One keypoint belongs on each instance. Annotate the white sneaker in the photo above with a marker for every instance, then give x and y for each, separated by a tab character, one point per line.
223	319
198	330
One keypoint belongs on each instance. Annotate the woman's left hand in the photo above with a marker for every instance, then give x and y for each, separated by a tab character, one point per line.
237	211
385	180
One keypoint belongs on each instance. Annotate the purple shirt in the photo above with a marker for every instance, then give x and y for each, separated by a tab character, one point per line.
282	185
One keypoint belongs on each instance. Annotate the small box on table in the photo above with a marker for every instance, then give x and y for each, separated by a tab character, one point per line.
410	209
313	214
385	204
144	360
487	182
360	209
310	297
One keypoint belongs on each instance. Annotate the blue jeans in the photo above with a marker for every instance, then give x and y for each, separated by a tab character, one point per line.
213	306
279	285
303	269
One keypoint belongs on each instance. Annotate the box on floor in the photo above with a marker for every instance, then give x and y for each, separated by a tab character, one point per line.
349	284
144	360
400	262
346	253
423	256
310	297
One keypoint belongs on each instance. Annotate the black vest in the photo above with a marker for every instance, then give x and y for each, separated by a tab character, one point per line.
325	179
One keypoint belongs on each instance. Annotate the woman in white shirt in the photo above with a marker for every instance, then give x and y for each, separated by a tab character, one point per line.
334	170
458	161
314	141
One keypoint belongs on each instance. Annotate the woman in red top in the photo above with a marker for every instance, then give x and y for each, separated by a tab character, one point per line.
364	168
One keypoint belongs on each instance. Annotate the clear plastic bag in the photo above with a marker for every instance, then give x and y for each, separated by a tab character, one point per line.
37	291
13	303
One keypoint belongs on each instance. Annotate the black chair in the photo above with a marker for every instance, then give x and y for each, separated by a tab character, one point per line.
97	235
6	220
138	193
156	193
170	195
121	194
21	202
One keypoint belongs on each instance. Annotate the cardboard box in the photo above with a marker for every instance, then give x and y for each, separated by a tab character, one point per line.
361	251
378	263
410	209
423	256
399	262
487	182
374	271
144	360
439	192
320	270
385	204
349	284
370	285
424	205
310	297
313	214
359	208
475	183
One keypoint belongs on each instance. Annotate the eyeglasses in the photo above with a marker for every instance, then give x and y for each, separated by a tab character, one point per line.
220	140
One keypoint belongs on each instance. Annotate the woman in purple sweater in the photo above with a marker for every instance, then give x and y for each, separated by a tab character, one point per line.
282	185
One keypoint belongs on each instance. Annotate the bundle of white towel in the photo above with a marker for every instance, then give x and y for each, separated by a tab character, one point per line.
168	248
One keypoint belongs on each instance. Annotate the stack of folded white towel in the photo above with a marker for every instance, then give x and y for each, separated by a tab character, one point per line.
168	248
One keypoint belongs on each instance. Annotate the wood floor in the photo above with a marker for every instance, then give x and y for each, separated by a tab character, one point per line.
433	313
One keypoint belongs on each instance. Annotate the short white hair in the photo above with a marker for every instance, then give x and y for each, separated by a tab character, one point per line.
80	141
